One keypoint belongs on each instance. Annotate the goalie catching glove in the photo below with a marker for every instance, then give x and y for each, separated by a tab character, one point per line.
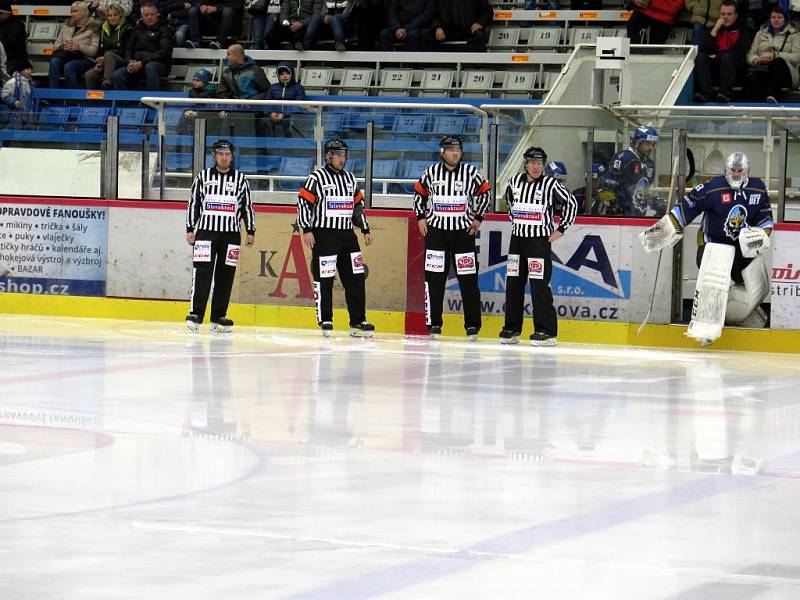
661	235
753	241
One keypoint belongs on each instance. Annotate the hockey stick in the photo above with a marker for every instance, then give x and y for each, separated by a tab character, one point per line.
672	178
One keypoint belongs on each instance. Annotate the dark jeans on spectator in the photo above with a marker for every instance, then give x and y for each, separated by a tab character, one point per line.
73	71
643	29
476	42
725	63
264	29
222	20
770	81
338	27
411	43
152	73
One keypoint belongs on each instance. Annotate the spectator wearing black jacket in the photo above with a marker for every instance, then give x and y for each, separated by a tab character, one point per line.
461	20
114	36
13	37
407	20
295	18
223	17
148	52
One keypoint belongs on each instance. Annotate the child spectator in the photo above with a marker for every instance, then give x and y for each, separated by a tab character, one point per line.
19	96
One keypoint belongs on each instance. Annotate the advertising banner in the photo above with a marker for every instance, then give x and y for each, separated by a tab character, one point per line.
53	248
599	274
785	279
277	271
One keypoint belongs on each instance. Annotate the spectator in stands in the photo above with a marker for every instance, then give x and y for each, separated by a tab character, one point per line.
705	14
334	15
723	49
99	8
219	16
774	58
13	37
652	20
4	76
370	19
114	35
265	15
19	95
201	88
295	17
285	89
176	14
148	52
75	47
242	78
407	20
465	20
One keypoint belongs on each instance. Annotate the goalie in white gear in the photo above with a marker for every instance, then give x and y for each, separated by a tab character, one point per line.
737	223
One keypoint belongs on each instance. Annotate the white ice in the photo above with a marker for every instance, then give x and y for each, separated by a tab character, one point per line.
138	460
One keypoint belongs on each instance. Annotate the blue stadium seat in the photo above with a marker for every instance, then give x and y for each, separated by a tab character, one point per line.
332	122
54	117
413	124
294	165
268	164
178	161
92	118
132	117
172	116
356	165
413	170
449	124
384	168
247	163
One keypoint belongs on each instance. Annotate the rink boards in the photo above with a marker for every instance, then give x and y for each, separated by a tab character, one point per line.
123	259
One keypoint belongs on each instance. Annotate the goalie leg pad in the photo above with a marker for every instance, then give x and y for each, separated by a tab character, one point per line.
711	293
661	235
745	299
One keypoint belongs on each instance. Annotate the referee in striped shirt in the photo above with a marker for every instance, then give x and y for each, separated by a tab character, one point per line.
533	201
450	200
219	201
329	204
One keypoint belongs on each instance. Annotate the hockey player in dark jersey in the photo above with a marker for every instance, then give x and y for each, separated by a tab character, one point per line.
219	201
329	204
450	200
630	175
737	223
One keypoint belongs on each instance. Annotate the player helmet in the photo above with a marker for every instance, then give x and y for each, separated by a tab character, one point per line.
737	170
451	141
535	153
223	146
556	169
644	134
336	146
598	170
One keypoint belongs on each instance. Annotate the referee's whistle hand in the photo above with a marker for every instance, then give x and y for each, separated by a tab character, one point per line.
190	238
250	239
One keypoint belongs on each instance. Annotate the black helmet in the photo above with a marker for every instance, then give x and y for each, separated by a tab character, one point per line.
336	145
223	145
535	153
449	141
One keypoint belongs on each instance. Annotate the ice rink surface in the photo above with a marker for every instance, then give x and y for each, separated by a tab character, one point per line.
138	460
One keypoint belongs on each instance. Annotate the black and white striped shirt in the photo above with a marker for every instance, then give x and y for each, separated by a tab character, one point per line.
331	199
533	204
451	200
219	202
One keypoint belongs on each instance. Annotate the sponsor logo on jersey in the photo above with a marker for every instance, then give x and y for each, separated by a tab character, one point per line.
636	169
526	215
450	207
434	261
458	186
466	262
230	186
351	189
340	205
535	268
735	221
755	198
233	253
220	206
727	197
329	187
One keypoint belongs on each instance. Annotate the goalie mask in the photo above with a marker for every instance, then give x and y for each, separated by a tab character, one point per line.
737	170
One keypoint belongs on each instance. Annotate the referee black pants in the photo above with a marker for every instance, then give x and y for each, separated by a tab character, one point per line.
220	269
456	246
338	247
521	250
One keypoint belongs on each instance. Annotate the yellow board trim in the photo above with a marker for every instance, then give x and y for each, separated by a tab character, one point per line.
304	317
